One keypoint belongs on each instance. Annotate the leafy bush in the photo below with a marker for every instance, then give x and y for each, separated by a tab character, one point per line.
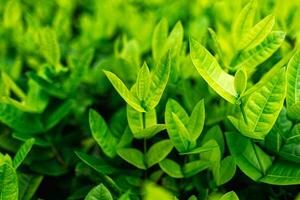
149	100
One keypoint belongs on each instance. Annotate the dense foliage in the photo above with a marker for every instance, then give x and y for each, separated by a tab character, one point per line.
154	99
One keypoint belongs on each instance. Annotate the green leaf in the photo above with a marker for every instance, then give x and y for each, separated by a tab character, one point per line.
10	84
281	129
159	39
229	196
283	173
192	168
172	107
251	58
102	134
20	121
214	154
79	70
293	112
153	192
123	91
28	185
171	168
248	156
9	20
244	21
49	87
139	122
209	146
150	131
262	108
142	82
257	34
132	156
291	152
183	132
97	164
49	46
159	80
196	122
9	182
99	192
216	46
215	133
211	72
293	84
135	120
158	152
22	152
225	170
175	39
54	116
240	81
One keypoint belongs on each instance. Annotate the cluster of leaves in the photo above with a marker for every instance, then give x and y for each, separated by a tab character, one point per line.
100	100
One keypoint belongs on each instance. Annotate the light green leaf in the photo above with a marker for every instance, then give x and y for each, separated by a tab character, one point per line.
175	39
135	120
158	152
142	82
14	20
49	46
251	58
257	34
159	39
211	72
150	118
171	168
154	192
196	122
240	81
215	133
214	154
229	196
22	152
132	156
262	108
9	182
150	131
99	192
159	80
102	134
175	135
244	21
216	46
139	122
183	132
11	85
293	84
123	91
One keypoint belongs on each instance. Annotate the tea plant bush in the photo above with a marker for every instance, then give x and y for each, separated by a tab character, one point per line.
153	99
